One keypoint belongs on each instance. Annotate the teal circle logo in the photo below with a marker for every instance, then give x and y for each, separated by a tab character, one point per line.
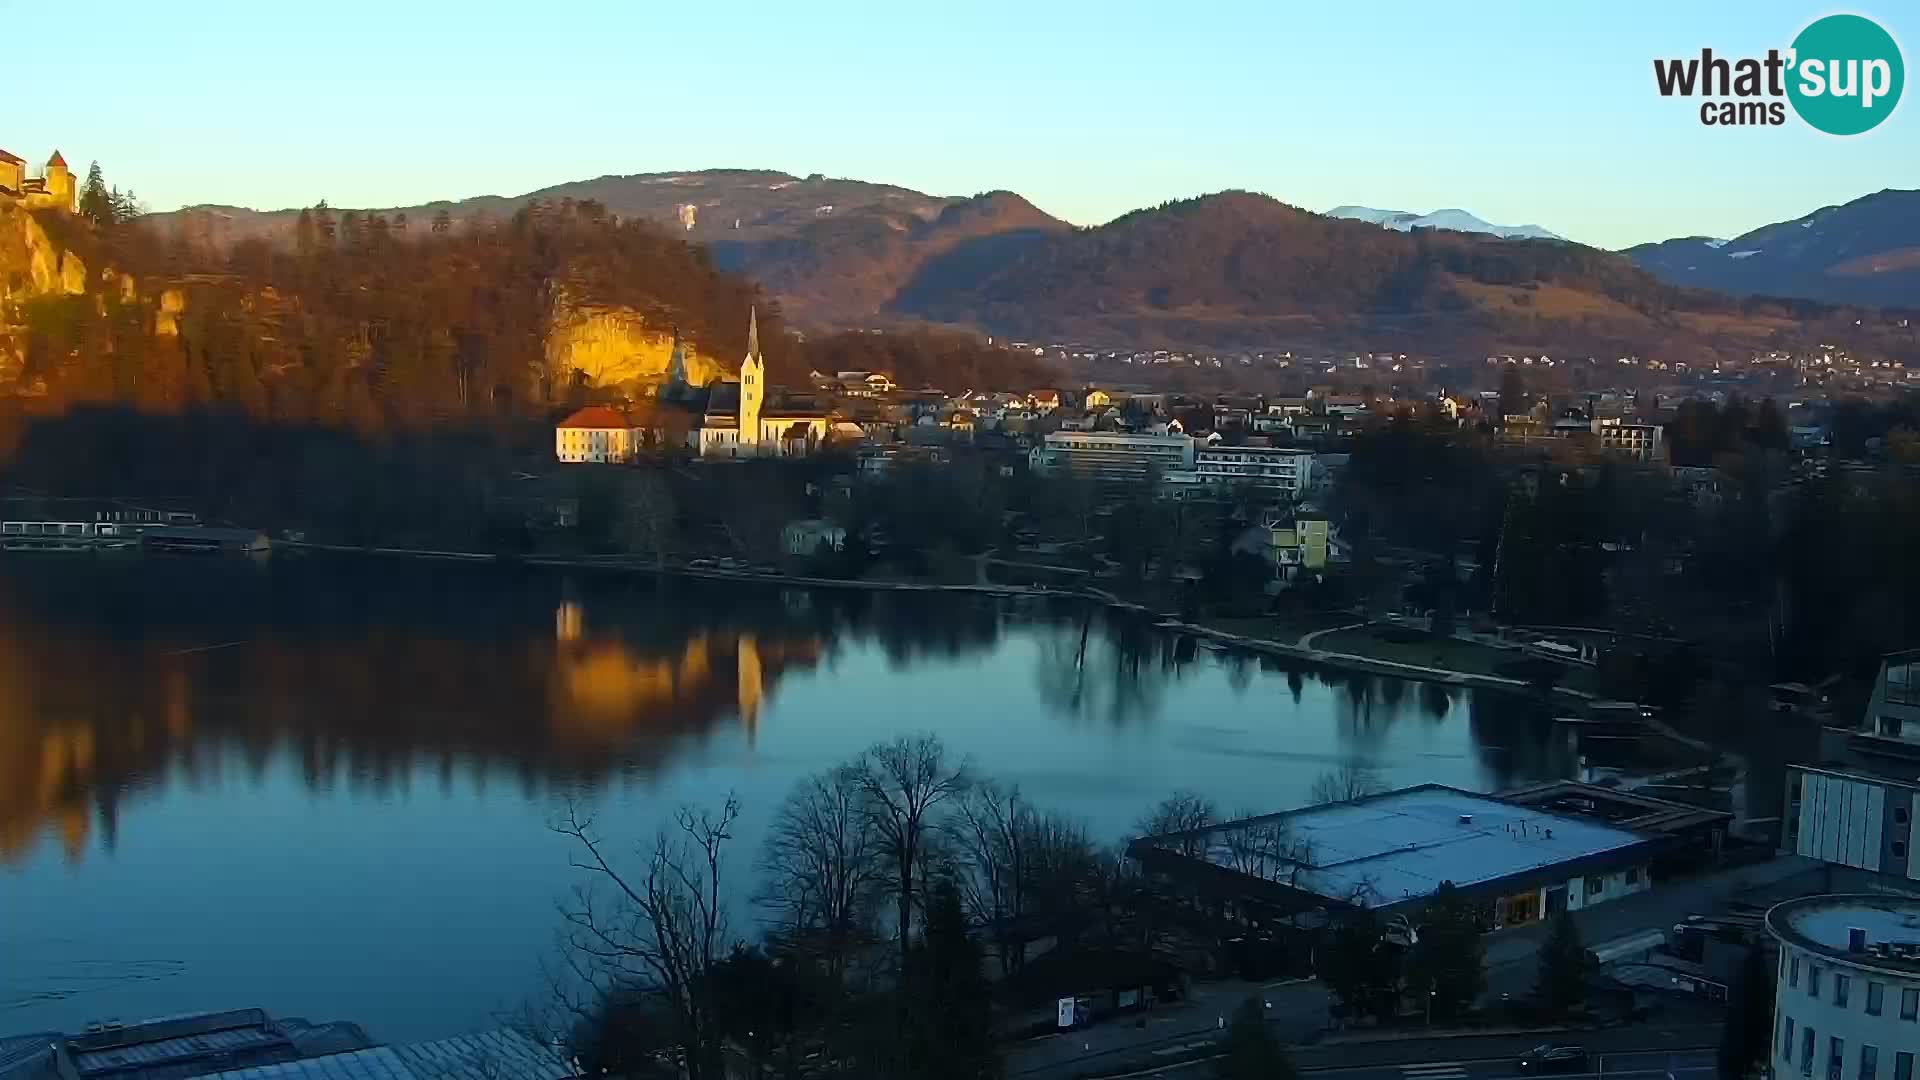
1847	74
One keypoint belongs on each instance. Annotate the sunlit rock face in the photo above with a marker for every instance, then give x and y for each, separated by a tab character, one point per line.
31	264
32	267
615	346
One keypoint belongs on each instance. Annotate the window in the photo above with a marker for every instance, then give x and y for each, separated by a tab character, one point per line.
1841	986
1813	979
1596	885
1900	814
1875	992
1806	1051
1909	1004
1899	849
1903	1066
1869	1061
1836	1050
1786	1043
1633	875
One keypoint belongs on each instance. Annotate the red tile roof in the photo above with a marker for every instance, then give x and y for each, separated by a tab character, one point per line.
10	159
597	417
56	159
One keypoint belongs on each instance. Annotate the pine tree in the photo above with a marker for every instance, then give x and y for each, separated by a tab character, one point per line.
96	205
947	1021
1565	967
1252	1053
1447	970
305	236
1362	967
1747	1036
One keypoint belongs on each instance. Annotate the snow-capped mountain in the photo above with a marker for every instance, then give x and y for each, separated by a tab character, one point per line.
1863	252
1456	220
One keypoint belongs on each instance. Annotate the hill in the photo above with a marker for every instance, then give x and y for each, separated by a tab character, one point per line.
834	250
1865	252
1229	270
1238	269
362	322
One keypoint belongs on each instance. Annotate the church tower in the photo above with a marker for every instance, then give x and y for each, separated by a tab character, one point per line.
60	181
753	386
676	387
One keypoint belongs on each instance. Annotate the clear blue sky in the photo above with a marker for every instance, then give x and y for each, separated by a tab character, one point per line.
1517	111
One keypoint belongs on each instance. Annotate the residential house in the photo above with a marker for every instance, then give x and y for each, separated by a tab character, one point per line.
811	536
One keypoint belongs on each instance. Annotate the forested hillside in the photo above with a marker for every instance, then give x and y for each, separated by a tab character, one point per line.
365	321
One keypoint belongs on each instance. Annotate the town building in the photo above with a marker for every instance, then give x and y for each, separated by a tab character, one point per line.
53	188
248	1044
1642	442
1290	543
1390	852
1278	468
1892	720
1847	986
1854	818
1112	455
598	433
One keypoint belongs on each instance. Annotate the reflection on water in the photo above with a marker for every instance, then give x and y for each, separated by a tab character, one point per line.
321	787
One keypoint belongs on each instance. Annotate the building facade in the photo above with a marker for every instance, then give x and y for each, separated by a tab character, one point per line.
1114	456
1846	816
1277	468
1642	442
1847	989
1892	721
597	433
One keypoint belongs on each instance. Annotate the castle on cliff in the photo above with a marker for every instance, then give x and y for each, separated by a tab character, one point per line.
52	188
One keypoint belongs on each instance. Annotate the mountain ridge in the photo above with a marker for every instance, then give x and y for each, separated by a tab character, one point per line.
1864	251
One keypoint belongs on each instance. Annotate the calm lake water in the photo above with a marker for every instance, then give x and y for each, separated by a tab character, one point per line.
323	787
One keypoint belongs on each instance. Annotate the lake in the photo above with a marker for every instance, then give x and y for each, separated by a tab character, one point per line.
323	786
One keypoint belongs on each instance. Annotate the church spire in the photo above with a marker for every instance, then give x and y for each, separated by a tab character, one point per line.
753	331
677	365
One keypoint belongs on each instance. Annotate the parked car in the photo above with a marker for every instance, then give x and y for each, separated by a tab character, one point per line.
1548	1059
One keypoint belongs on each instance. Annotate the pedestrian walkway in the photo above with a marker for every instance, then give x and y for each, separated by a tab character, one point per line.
1450	1070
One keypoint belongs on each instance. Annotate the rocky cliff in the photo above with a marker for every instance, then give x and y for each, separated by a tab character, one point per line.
32	267
615	346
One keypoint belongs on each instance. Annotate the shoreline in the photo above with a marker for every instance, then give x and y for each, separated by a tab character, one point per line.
1264	646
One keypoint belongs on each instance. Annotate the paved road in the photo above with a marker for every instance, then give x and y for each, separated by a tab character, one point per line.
1631	1065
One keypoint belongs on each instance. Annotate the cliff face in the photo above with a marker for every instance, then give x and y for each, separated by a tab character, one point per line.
615	346
32	267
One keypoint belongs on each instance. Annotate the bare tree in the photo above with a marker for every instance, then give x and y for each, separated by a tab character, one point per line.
990	827
1352	780
821	864
1262	848
1182	821
902	783
659	935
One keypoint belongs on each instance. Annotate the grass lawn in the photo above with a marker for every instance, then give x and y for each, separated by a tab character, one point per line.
1398	644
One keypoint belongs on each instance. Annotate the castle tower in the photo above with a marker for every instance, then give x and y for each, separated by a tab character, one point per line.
753	385
60	181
